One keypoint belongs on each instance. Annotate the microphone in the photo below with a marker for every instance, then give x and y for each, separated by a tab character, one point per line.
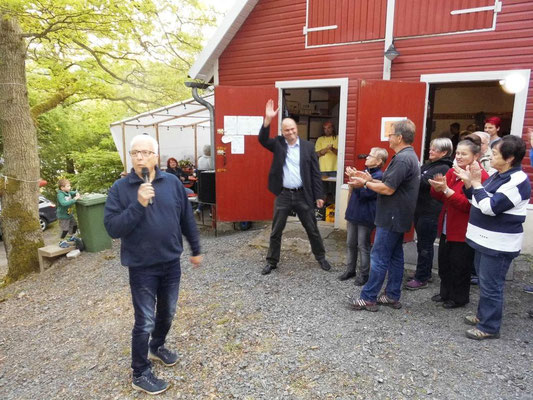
362	156
146	178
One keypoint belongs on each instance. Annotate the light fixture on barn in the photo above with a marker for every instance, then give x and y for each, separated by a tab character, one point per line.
391	53
513	83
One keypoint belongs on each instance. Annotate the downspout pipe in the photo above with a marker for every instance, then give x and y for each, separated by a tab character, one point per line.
200	85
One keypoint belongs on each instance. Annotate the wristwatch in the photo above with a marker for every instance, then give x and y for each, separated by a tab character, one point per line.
446	191
364	185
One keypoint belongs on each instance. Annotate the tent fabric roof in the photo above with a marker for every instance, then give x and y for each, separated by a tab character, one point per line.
204	66
183	114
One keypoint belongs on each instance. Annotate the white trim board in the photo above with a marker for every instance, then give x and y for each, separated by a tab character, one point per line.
341	83
520	98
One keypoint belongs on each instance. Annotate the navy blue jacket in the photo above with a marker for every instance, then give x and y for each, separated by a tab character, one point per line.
362	205
150	235
309	169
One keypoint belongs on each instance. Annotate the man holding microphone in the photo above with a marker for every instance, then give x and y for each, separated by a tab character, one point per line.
149	214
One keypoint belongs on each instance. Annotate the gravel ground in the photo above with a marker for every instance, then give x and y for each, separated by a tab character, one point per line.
65	334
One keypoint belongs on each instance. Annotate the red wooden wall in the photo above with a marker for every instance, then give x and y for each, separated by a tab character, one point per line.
270	47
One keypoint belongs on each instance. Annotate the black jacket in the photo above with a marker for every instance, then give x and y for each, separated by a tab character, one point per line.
427	205
309	169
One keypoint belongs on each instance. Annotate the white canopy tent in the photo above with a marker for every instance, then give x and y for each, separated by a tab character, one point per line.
181	129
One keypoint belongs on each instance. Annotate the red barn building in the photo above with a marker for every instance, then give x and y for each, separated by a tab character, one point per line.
356	62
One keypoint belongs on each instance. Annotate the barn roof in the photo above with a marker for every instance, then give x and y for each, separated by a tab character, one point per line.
204	66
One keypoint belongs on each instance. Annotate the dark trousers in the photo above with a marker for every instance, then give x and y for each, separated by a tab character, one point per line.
426	233
286	202
455	263
154	293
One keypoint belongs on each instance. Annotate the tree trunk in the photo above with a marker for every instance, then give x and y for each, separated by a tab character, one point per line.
19	188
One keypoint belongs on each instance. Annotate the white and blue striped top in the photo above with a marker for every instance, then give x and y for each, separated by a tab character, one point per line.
498	212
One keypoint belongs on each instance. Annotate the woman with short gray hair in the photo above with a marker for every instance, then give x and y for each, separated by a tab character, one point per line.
427	211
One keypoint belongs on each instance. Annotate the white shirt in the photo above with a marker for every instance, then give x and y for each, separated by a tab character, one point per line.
204	163
291	170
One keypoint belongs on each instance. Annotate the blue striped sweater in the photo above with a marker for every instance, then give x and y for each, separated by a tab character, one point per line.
498	212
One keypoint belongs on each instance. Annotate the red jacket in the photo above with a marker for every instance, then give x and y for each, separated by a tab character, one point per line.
457	207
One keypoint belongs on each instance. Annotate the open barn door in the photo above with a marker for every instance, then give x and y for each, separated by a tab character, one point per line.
242	164
380	103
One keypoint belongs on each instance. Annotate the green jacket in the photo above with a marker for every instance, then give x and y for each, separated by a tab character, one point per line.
65	201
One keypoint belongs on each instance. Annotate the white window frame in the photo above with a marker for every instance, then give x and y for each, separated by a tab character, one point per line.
341	83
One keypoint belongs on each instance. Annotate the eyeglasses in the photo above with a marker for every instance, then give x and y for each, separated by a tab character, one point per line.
370	155
144	153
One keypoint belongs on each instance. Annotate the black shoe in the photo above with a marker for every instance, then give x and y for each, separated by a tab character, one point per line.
437	298
167	357
449	304
360	281
149	383
347	275
268	268
324	264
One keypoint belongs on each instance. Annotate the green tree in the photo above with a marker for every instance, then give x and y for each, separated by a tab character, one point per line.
135	52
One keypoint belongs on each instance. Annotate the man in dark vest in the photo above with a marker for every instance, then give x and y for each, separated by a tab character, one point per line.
296	181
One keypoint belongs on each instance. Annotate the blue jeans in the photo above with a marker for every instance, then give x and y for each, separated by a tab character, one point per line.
426	233
154	293
386	257
358	240
491	271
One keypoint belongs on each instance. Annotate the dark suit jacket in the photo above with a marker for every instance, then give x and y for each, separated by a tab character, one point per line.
309	169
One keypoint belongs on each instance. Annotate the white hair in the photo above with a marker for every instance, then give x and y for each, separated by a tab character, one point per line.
145	138
483	135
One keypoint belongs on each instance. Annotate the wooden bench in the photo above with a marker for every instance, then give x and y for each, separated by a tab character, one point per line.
52	251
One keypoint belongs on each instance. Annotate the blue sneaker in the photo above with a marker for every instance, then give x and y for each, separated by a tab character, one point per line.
64	244
166	356
528	289
149	383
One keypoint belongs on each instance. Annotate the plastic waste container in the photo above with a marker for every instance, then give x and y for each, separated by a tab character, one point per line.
90	210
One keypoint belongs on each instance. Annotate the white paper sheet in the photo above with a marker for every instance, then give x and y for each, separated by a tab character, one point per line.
237	144
230	125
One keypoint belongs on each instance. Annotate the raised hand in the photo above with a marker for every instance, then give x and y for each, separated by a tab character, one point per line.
270	113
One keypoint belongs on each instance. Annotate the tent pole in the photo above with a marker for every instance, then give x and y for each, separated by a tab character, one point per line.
124	147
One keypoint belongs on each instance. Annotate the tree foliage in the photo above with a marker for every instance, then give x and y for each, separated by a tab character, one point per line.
133	54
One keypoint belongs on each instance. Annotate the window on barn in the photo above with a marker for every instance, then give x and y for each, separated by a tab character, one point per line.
332	22
434	17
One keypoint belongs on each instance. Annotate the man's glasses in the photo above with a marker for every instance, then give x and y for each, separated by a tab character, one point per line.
144	153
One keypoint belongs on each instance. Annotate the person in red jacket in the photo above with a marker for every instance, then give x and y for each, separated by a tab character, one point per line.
455	256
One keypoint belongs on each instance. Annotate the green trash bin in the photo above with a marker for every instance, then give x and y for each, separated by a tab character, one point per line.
90	210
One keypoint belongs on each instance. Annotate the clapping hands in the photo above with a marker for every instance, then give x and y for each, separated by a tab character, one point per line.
438	183
357	178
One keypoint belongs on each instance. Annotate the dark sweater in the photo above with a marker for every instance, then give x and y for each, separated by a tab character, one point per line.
426	204
362	204
150	235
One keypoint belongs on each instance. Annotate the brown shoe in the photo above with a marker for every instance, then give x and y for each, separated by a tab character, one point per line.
387	301
361	304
